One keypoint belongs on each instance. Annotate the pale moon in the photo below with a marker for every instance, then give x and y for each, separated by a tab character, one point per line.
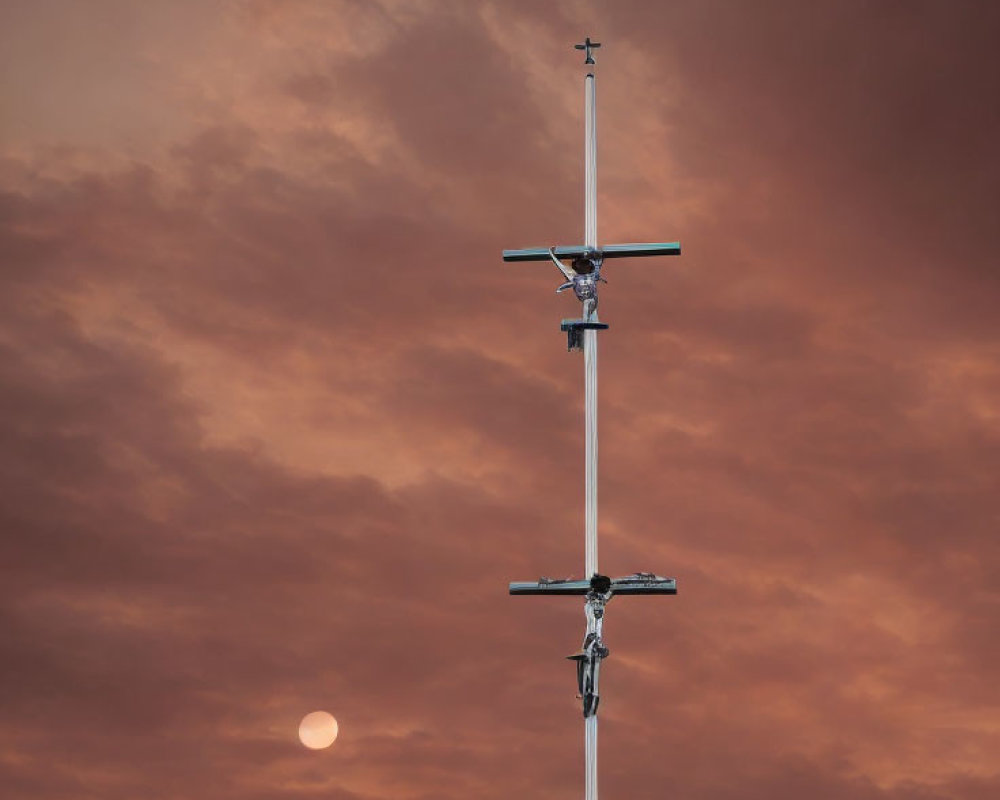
318	730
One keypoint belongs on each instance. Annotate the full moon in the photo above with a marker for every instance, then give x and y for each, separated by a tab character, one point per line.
318	730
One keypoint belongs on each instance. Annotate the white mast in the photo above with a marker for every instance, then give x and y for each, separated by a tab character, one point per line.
590	334
590	402
583	279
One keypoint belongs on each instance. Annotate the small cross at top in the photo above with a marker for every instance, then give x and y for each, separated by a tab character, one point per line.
588	46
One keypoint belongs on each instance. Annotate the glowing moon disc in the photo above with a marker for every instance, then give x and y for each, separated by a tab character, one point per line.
318	730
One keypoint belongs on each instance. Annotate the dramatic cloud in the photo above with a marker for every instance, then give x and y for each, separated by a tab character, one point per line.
278	426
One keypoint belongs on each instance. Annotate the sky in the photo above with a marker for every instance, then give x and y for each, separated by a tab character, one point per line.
278	425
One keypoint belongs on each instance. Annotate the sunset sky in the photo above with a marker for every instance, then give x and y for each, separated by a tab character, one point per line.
278	425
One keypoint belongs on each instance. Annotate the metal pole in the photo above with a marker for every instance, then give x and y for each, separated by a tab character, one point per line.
590	737
590	163
590	421
590	336
584	278
590	401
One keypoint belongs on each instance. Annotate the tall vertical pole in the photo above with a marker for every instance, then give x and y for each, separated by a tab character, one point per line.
590	336
583	279
590	163
590	403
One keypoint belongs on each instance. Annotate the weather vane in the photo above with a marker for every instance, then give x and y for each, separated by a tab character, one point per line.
589	46
582	275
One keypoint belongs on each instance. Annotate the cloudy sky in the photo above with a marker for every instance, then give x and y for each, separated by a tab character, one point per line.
278	425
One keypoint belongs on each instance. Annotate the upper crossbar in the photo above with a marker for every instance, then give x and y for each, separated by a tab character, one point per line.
608	251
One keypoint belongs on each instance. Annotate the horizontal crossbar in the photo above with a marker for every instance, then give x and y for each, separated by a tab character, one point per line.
582	324
630	584
608	251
